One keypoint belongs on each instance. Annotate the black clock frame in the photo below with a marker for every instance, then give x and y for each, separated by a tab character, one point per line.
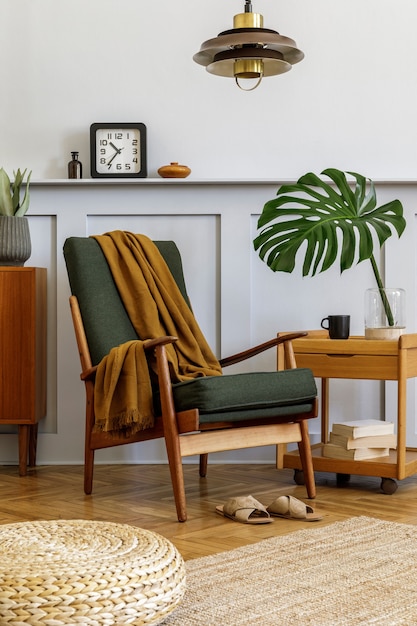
113	126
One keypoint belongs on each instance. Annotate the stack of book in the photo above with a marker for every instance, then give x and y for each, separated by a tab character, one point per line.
360	440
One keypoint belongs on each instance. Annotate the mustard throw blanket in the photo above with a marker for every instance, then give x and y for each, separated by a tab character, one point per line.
156	307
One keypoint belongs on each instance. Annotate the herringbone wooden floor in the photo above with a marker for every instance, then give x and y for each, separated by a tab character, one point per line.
141	495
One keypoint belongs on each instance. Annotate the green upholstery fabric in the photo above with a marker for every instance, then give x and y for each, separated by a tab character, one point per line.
219	398
245	396
105	320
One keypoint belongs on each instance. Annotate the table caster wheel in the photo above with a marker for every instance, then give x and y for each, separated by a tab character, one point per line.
299	477
342	479
388	485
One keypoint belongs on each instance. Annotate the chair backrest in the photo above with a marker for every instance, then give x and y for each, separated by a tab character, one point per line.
106	322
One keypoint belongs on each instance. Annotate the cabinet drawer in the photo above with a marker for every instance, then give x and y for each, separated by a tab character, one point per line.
365	366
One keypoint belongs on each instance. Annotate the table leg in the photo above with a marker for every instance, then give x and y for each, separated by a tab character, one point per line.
325	410
402	415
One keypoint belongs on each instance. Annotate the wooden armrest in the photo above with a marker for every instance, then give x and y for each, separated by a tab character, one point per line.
242	356
148	344
89	374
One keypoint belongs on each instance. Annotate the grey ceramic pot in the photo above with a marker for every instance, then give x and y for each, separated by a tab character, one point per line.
15	244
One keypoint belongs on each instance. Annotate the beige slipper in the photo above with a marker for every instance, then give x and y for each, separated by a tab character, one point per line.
289	507
246	510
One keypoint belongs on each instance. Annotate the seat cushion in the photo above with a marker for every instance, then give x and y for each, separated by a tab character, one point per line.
247	396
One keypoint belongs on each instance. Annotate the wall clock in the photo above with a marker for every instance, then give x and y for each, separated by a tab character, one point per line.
118	150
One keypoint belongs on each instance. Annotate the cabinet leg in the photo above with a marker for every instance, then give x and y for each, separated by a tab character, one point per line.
33	443
23	438
28	439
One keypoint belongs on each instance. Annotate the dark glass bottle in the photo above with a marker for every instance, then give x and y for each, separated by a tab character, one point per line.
75	167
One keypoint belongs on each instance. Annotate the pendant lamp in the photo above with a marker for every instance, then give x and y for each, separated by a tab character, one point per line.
248	51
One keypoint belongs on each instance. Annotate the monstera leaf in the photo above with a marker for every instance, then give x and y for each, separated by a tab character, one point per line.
314	211
326	216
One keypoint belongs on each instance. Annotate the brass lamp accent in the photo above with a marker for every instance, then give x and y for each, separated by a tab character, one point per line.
248	50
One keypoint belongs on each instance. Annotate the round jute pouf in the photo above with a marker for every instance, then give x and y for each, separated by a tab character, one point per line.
88	573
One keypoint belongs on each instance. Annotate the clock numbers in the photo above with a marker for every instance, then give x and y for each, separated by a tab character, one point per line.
117	135
118	150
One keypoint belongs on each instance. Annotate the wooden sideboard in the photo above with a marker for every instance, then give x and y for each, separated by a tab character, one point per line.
23	355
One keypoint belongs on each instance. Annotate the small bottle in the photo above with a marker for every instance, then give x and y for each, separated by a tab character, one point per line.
75	167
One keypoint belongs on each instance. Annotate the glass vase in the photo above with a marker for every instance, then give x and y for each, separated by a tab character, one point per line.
384	313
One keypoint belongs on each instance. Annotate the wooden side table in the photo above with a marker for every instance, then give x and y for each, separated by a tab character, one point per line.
358	358
23	355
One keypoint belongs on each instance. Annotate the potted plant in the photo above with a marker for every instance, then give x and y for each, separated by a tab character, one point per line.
329	216
15	244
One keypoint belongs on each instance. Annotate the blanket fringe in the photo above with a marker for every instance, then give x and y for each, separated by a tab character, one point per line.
126	423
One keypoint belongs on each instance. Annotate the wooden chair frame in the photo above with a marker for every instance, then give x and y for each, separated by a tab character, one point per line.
184	435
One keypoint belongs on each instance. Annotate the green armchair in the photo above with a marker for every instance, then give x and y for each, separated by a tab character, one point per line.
196	417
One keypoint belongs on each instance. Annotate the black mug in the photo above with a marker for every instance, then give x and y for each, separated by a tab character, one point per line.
338	326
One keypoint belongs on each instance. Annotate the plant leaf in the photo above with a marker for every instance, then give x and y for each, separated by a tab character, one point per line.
6	204
334	220
15	187
21	211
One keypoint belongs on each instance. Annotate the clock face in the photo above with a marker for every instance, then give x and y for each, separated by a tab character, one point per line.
118	150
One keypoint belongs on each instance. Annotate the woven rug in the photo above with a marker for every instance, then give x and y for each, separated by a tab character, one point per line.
360	571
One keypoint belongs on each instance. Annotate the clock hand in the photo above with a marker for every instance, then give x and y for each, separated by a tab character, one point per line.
114	156
118	150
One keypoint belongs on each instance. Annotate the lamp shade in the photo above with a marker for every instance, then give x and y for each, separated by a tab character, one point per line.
248	51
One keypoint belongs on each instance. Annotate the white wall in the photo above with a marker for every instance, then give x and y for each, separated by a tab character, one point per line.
350	103
238	301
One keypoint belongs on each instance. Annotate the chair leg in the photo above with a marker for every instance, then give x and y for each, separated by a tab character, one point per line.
177	475
203	465
88	450
171	434
307	460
